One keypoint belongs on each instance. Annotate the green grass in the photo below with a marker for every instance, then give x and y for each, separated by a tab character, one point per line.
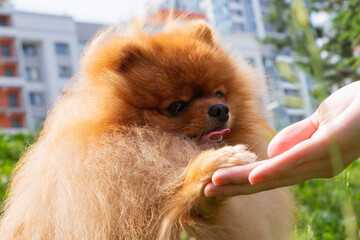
328	208
324	204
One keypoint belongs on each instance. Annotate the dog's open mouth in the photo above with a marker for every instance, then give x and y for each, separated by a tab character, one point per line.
216	136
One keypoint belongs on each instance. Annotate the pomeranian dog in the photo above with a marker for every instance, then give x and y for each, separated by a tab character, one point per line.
129	147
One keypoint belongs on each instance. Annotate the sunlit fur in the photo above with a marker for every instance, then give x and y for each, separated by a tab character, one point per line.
112	163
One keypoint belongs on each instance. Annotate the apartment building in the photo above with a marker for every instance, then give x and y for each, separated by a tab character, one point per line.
38	55
183	5
12	110
289	87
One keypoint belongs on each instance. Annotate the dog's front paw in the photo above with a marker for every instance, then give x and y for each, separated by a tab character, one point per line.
201	169
206	163
227	157
189	201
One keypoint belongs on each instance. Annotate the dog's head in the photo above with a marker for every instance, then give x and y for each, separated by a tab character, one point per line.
179	80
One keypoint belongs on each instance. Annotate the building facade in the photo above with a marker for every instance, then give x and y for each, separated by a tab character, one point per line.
12	105
234	15
38	55
182	5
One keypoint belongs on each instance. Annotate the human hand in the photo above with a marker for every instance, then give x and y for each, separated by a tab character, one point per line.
320	146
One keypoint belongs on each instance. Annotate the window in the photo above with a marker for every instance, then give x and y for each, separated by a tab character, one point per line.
3	22
15	123
296	118
29	50
237	12
62	48
5	50
64	72
9	72
239	26
32	74
250	60
12	99
292	92
36	98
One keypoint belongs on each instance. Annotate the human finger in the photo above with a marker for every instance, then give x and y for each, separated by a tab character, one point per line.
292	135
231	175
307	151
236	174
229	190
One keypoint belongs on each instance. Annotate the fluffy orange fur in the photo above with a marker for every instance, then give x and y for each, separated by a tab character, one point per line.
113	163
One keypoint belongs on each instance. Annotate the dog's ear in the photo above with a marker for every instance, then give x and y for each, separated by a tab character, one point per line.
131	55
202	31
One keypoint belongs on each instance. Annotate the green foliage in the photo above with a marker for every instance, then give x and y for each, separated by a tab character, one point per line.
343	39
285	71
329	62
293	101
324	204
11	148
300	36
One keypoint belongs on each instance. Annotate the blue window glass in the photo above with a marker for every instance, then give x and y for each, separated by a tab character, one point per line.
8	72
3	22
5	50
239	26
12	99
64	72
15	123
36	98
32	74
61	48
29	50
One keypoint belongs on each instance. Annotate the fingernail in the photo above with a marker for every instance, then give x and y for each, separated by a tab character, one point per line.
208	192
256	180
218	179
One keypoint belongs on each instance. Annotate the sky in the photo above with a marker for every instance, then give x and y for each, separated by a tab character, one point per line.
101	11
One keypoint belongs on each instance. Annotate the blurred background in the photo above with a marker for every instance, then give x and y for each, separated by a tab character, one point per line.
304	50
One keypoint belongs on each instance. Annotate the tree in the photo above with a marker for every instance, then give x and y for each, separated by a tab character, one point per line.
11	148
325	52
344	43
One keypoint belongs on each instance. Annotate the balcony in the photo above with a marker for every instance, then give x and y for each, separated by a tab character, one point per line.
287	72
14	130
294	112
293	102
11	82
288	85
8	59
11	110
7	31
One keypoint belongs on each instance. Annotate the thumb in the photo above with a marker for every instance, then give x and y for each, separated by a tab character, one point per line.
292	135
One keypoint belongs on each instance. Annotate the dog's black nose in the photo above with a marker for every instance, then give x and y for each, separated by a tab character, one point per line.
220	112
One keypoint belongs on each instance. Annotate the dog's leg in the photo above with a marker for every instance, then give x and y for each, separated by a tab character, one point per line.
188	208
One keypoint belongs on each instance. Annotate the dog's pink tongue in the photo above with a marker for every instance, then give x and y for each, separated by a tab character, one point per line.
215	135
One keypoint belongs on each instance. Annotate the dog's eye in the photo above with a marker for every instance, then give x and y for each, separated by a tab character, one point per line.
218	94
176	107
